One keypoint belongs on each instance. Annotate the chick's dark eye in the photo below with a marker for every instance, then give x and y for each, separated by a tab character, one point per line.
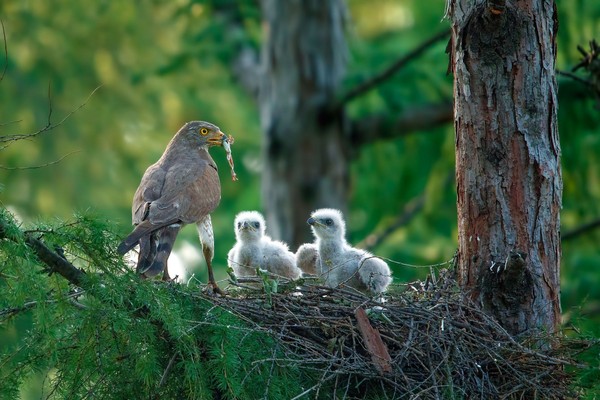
239	224
328	222
256	225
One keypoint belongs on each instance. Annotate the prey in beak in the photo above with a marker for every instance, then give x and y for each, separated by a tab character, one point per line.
226	142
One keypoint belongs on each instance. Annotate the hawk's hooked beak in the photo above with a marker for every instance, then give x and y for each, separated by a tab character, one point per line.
218	139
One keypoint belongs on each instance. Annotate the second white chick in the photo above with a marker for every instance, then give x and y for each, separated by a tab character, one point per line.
307	258
339	263
254	249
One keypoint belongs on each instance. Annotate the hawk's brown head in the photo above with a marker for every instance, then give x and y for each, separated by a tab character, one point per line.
203	133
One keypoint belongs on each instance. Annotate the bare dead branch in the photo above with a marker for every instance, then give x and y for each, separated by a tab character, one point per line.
580	230
55	262
574	77
11	138
589	57
41	165
421	118
378	127
392	69
3	124
411	209
590	62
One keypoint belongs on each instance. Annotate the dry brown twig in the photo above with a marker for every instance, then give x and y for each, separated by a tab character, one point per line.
7	140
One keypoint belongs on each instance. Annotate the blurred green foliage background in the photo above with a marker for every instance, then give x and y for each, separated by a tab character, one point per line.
158	64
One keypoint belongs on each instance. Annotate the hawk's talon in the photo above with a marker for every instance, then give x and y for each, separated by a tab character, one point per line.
212	289
169	279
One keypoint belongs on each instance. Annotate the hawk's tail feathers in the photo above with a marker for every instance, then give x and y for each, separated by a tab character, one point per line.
145	228
147	253
161	244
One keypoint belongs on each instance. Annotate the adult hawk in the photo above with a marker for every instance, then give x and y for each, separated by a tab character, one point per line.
181	188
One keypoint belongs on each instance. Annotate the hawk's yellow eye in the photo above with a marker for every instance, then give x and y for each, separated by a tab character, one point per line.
203	131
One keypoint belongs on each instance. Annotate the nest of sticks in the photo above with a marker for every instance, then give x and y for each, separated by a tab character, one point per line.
424	340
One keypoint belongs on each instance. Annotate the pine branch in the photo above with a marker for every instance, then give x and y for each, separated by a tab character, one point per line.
51	259
9	312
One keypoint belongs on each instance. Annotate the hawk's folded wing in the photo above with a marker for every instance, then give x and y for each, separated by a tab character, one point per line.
185	190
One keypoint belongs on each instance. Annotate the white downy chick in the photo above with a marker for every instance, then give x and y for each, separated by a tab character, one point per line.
254	249
340	263
307	258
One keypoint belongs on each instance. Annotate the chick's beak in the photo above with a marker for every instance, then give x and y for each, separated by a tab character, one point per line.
217	139
316	222
247	226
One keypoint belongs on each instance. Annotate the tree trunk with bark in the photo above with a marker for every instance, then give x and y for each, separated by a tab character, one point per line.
508	175
304	155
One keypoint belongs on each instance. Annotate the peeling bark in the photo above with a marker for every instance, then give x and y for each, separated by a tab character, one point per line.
373	342
508	176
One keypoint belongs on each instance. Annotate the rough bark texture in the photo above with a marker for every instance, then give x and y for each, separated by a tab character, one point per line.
304	157
507	158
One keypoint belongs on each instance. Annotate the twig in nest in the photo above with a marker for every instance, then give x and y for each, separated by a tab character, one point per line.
436	341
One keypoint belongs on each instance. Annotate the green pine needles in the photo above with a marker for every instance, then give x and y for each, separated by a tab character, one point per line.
116	336
77	323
